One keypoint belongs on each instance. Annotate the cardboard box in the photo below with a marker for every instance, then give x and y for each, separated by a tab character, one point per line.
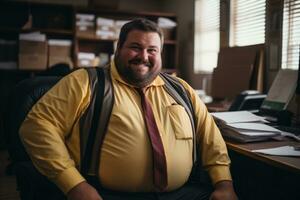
59	49
32	47
33	55
59	52
33	61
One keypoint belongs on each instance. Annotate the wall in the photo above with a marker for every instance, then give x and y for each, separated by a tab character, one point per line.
185	13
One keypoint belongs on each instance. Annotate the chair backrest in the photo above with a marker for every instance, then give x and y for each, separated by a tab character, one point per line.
22	98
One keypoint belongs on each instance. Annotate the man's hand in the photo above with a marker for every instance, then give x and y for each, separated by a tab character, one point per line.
83	191
223	191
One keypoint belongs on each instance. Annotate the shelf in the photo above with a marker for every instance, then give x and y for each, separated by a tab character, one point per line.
94	39
21	70
46	31
125	12
59	22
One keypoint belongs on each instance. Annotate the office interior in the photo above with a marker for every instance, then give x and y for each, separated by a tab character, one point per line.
254	177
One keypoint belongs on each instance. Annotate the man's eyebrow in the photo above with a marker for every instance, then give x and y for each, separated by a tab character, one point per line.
135	43
138	44
154	46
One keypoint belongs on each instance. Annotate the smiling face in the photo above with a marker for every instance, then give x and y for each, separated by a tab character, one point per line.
138	60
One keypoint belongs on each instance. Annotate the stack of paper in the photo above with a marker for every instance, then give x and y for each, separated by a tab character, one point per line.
243	126
105	28
85	25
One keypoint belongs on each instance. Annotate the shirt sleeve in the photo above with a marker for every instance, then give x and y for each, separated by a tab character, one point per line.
212	147
48	125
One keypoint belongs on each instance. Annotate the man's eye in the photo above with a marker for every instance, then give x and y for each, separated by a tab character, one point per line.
134	48
152	50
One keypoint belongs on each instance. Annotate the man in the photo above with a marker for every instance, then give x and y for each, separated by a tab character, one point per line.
50	132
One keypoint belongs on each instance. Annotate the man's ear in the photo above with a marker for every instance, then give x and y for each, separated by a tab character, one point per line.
117	51
117	48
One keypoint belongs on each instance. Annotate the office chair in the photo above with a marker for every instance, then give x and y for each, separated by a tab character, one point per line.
30	183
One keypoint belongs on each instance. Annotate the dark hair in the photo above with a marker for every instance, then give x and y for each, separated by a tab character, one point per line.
141	24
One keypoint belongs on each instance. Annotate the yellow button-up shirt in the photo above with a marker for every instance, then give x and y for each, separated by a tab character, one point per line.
50	134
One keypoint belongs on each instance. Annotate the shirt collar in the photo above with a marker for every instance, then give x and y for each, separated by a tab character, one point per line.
115	75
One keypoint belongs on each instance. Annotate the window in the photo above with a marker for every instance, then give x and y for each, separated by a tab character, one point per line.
291	34
207	35
247	22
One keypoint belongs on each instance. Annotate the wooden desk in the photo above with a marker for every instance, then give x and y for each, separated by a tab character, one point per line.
289	163
257	176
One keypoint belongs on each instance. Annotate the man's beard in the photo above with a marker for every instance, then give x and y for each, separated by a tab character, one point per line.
133	77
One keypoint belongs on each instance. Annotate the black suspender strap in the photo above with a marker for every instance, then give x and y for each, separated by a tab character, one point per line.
102	121
91	117
93	124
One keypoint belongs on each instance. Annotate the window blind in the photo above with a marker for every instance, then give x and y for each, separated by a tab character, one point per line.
247	24
207	35
291	34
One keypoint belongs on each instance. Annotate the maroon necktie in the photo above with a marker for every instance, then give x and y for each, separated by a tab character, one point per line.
159	158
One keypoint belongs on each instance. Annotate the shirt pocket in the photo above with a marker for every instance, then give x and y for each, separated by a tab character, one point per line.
180	122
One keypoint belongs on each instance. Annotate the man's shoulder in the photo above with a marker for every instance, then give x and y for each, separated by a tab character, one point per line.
176	79
77	78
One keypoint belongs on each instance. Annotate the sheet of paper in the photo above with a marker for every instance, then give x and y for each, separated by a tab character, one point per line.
257	133
279	151
253	127
237	117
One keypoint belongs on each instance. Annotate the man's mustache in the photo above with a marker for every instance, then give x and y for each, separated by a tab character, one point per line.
139	62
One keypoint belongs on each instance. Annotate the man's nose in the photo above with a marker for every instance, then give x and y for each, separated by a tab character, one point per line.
144	55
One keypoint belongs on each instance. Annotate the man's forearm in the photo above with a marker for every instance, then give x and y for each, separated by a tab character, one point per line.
83	191
224	190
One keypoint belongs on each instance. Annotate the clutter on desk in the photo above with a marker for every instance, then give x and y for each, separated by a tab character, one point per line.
291	135
244	126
